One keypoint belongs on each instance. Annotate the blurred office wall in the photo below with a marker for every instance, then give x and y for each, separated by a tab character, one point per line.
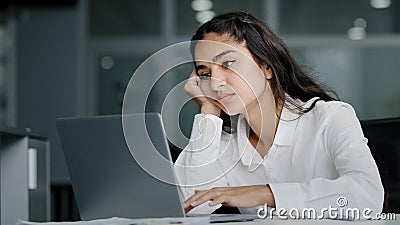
76	59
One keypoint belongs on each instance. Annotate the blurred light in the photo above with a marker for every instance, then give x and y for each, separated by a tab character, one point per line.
356	33
204	16
202	5
380	4
360	22
107	62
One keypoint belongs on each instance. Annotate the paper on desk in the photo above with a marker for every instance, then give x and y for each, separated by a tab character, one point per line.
125	221
108	221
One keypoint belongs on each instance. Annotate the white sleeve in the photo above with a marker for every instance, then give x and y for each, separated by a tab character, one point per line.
359	181
197	167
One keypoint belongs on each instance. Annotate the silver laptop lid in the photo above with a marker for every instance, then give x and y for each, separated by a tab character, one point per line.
106	179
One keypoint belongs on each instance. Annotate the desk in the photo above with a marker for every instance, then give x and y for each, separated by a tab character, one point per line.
198	221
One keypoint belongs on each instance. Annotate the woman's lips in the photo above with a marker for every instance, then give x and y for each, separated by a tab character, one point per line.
224	98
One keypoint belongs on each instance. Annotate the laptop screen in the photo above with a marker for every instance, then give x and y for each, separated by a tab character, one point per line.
106	179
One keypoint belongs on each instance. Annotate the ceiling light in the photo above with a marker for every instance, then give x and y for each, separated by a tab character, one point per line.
202	5
107	62
204	16
360	22
380	4
356	33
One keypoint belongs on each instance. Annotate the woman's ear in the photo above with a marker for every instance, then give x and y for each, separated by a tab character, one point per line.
267	72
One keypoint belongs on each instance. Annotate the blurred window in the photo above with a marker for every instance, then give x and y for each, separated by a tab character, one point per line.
366	77
312	17
186	16
124	18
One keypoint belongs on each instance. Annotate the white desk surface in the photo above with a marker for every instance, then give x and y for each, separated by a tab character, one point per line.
200	221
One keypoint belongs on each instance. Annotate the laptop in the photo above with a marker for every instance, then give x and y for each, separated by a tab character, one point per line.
106	178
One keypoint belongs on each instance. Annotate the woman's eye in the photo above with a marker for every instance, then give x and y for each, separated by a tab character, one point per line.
204	76
227	64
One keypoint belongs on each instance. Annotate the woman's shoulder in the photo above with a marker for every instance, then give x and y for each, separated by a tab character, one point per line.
328	107
325	111
321	108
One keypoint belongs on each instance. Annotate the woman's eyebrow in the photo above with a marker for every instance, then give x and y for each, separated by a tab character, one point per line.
214	59
221	54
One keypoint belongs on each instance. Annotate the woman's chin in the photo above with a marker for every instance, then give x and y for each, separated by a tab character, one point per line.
231	112
230	109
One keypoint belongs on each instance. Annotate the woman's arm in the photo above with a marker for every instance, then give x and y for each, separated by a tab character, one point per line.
358	182
197	167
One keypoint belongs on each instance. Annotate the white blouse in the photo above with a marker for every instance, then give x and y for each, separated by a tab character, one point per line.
314	159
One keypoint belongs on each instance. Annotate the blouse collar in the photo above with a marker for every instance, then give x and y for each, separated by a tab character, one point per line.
283	137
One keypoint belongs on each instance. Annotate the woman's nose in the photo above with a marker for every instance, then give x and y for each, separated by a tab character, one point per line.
217	80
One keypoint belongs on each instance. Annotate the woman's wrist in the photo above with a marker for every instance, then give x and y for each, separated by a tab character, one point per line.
210	109
270	197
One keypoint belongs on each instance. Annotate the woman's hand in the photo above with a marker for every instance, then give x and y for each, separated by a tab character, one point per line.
192	88
245	196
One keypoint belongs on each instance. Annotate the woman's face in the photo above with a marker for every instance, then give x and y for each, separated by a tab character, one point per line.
229	75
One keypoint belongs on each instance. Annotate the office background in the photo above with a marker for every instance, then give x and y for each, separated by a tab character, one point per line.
75	57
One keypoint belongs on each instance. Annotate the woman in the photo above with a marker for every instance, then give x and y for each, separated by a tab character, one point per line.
267	133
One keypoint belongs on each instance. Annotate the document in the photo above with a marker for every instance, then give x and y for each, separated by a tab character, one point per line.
125	221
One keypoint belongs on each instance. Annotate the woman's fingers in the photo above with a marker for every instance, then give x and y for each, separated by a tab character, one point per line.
192	86
246	196
188	208
225	199
216	195
204	196
194	90
197	194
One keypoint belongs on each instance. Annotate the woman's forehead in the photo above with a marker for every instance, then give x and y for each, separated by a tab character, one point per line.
219	37
213	45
